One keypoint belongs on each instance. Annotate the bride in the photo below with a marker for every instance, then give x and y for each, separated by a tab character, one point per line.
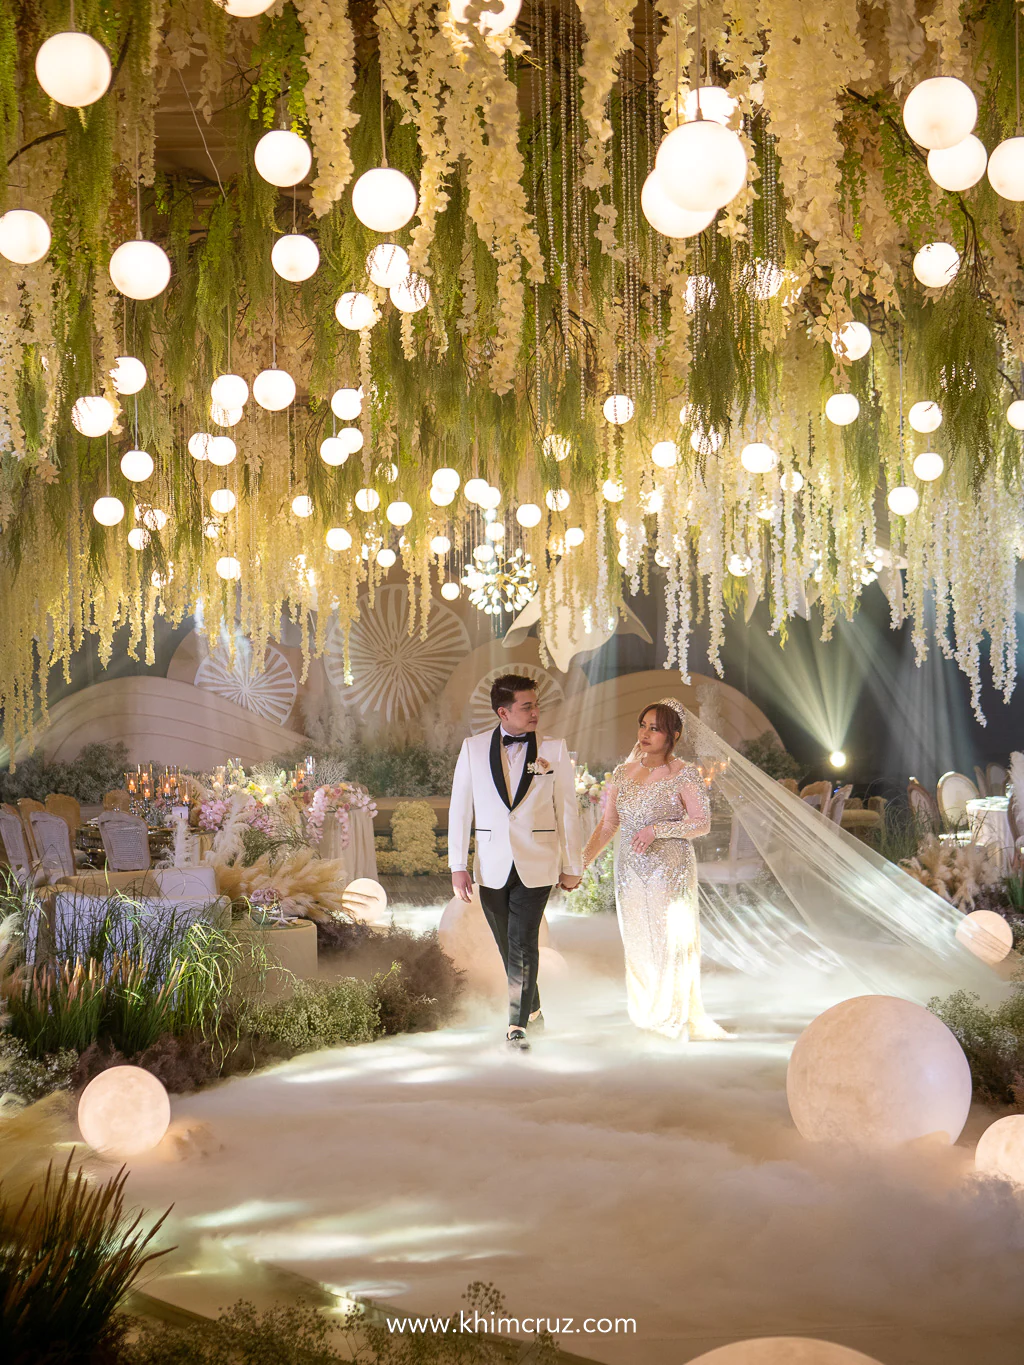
661	804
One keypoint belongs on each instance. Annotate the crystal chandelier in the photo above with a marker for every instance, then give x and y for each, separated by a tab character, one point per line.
501	584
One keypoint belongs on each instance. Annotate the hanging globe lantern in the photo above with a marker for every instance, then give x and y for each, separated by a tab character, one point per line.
706	442
713	103
758	458
351	439
574	536
557	499
792	482
129	374
338	538
1006	169
852	341
245	9
740	565
556	447
940	112
440	545
960	166
387	265
386	558
302	505
92	415
936	264
73	69
1015	414
489	498
24	237
925	416
446	479
699	289
273	389
398	513
665	216
411	294
665	454
199	445
108	511
475	489
295	257
225	417
764	279
229	568
138	539
450	591
221	450
618	409
367	499
498	16
441	497
333	451
528	514
347	404
282	158
229	391
384	199
842	409
612	491
902	501
140	270
928	466
223	501
356	311
136	465
153	518
701	166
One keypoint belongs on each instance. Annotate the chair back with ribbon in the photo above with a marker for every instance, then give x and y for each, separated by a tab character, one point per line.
125	841
52	840
953	793
12	832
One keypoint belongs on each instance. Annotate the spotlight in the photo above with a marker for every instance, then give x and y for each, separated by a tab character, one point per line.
837	758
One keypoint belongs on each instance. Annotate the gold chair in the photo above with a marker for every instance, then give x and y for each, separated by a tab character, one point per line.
790	785
817	795
26	805
118	800
69	810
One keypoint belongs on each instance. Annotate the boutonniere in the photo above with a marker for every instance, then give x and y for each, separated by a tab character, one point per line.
539	768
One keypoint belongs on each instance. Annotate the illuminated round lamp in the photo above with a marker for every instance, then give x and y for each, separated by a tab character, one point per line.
347	404
245	9
221	450
557	499
1000	1150
1006	169
388	472
446	479
653	502
211	528
928	466
764	279
333	451
398	513
495	531
367	499
222	500
936	264
792	481
24	236
574	536
475	489
282	157
384	199
138	539
740	565
295	257
699	289
842	409
489	20
665	454
410	294
903	501
136	465
351	439
302	505
440	545
986	934
925	417
124	1111
837	758
73	69
1015	414
556	447
940	112
712	101
758	458
356	311
229	391
153	518
128	375
622	559
225	417
852	341
108	511
528	514
386	558
618	409
665	216
706	442
701	165
765	510
273	389
450	591
489	498
612	491
440	497
92	415
387	265
140	270
338	538
783	1351
877	1071
958	167
229	568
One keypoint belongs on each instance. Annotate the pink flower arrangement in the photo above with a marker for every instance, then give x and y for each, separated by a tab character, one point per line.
212	813
341	799
258	817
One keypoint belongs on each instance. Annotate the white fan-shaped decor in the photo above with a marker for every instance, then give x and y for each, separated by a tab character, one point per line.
549	693
395	674
268	691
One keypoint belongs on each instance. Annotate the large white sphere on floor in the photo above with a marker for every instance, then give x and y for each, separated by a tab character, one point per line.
877	1071
925	416
295	257
491	16
940	112
136	465
282	157
936	264
987	935
701	165
784	1351
665	216
24	237
960	166
366	900
466	938
384	199
124	1111
1006	168
273	389
140	270
92	415
129	374
852	341
902	500
73	69
842	409
1000	1149
108	511
356	311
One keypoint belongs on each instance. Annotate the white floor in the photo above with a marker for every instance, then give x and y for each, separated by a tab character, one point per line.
608	1174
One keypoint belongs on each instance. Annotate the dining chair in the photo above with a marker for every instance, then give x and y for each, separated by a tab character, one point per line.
818	795
981	781
12	832
952	794
838	804
69	810
995	779
26	805
52	840
125	841
790	784
923	805
119	799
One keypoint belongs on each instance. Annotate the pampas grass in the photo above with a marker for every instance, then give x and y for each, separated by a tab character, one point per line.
313	886
959	873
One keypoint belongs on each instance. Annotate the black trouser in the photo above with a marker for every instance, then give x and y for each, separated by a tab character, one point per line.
514	912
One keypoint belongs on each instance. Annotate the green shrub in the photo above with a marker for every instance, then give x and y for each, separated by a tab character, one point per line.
319	1014
401	770
767	753
98	769
595	895
32	1078
993	1041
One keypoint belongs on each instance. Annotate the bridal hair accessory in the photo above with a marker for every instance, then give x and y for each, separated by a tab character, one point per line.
673	705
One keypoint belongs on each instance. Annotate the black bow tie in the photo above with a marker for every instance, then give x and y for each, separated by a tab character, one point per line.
514	739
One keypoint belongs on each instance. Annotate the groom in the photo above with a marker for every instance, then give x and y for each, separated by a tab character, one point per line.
523	790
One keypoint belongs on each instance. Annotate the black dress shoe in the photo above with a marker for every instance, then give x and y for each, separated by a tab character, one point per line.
515	1040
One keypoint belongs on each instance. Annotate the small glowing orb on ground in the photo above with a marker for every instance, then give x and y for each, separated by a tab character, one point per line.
365	899
877	1071
784	1351
1000	1149
986	934
123	1111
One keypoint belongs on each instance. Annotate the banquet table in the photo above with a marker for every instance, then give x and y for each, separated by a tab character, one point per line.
360	857
989	818
88	840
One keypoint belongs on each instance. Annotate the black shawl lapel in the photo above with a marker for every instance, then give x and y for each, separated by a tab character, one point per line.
527	777
497	771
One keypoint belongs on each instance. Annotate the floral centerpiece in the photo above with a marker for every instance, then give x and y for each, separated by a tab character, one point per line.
590	790
339	799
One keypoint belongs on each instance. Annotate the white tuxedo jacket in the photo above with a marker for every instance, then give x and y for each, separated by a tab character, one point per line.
537	829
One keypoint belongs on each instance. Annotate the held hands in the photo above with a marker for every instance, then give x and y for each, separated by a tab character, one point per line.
462	885
643	839
568	883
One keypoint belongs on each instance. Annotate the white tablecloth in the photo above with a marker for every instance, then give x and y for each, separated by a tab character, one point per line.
990	826
360	858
